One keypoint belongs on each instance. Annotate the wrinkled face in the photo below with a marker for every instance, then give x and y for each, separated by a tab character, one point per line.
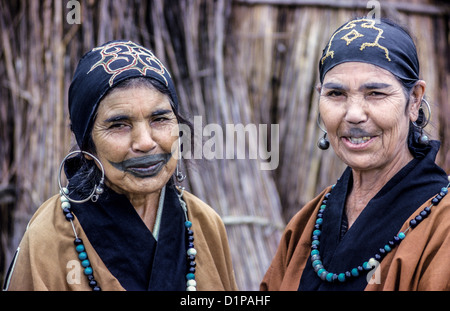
133	136
364	109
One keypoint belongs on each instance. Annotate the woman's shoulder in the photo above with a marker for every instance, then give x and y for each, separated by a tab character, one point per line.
43	220
307	211
440	216
435	222
199	208
204	217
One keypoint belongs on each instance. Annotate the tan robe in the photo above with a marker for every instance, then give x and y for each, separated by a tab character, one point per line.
47	259
420	262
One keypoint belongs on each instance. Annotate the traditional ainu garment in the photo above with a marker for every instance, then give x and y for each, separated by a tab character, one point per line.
123	253
419	262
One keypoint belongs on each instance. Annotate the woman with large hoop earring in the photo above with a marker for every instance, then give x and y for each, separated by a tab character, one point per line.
122	222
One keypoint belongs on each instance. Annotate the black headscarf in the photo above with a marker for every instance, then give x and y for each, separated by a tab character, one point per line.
381	43
102	69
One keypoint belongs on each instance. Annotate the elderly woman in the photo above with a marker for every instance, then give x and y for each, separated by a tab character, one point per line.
121	224
385	224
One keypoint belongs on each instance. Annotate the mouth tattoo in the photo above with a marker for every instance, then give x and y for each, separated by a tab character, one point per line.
143	167
358	136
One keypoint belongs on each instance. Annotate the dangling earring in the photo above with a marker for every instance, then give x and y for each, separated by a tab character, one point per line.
323	143
423	121
178	174
98	189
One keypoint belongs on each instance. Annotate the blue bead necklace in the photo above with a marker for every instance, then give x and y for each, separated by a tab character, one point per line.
79	246
191	283
372	262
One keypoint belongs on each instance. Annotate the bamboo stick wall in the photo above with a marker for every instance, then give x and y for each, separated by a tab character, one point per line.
233	62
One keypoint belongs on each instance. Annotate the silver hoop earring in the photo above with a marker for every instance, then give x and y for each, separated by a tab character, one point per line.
426	119
178	174
423	138
323	143
98	189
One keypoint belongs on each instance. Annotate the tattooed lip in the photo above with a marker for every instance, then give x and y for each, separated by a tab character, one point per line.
359	140
143	167
358	143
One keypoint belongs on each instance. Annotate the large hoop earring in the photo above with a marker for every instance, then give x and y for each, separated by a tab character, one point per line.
426	119
178	174
323	143
98	189
423	138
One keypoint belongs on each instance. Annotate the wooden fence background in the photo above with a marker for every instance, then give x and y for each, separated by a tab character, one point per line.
233	62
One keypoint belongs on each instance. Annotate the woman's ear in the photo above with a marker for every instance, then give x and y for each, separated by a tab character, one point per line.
319	87
87	157
415	99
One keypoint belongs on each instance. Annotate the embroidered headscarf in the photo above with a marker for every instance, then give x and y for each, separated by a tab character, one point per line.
382	43
100	70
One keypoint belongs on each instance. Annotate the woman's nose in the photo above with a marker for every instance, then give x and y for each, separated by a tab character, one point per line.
356	111
143	141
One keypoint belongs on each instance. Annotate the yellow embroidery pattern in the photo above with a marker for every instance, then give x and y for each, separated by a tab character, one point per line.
138	57
354	34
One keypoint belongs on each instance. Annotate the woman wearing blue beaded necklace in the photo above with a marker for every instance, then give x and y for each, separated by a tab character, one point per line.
385	224
121	223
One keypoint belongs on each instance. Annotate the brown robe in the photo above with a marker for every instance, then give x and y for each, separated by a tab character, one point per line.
47	254
420	262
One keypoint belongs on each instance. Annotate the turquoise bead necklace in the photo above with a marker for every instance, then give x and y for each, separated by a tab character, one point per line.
79	246
191	283
327	276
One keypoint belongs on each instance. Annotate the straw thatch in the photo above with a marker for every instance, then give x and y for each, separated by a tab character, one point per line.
233	62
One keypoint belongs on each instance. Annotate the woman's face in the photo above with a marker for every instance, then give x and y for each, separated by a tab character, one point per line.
133	133
364	111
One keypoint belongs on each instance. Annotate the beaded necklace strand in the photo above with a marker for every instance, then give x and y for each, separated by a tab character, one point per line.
191	283
372	262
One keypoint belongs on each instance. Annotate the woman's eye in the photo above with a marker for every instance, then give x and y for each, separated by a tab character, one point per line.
117	126
376	94
160	119
334	93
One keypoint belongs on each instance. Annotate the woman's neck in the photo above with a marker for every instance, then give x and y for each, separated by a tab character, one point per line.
366	184
146	205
